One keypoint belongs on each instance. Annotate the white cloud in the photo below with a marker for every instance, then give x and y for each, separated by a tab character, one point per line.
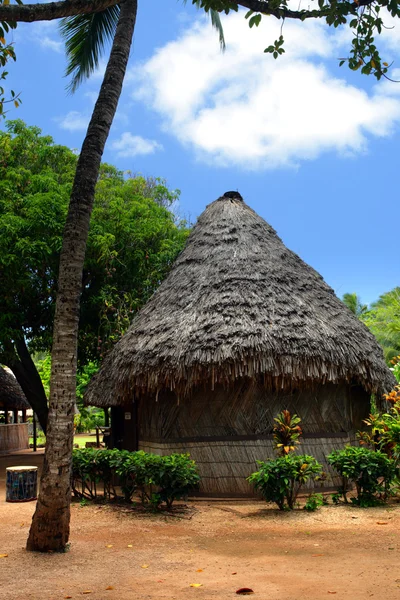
73	121
47	42
133	145
245	108
46	34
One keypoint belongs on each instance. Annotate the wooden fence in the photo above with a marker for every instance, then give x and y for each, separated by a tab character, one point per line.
14	437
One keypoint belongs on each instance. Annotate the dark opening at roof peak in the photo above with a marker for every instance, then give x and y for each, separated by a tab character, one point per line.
233	196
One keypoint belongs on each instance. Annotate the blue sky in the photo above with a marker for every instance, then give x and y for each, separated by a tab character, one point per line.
312	147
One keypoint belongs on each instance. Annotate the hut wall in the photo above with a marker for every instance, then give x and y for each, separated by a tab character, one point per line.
224	466
227	430
249	409
14	437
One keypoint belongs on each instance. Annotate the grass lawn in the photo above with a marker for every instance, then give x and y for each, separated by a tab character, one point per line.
79	438
82	438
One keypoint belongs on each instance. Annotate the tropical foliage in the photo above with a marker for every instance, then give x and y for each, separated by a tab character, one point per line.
286	432
363	18
280	480
383	319
372	473
133	240
383	429
353	302
7	53
396	367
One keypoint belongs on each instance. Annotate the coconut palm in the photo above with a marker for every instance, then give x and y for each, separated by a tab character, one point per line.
50	526
383	319
85	37
353	302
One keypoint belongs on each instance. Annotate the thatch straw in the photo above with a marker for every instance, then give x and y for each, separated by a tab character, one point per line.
238	303
11	395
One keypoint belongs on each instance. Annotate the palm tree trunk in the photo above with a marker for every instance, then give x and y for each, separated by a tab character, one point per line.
50	525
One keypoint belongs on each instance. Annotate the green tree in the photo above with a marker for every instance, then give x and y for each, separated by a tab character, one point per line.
383	319
353	302
35	182
133	240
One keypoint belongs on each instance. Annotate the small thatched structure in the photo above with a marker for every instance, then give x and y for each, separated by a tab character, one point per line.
240	329
13	436
11	395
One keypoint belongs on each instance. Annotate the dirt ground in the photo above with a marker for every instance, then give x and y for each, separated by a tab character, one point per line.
116	554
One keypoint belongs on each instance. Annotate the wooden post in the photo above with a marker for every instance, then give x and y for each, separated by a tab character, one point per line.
7	421
106	417
15	412
97	437
34	433
24	415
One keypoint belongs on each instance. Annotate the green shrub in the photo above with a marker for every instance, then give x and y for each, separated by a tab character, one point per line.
177	476
371	471
156	479
280	480
88	419
138	472
314	501
90	467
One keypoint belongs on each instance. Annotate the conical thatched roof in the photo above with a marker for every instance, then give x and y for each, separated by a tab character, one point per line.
238	303
11	395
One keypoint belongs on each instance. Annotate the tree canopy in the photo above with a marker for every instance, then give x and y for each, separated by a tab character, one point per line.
383	319
133	240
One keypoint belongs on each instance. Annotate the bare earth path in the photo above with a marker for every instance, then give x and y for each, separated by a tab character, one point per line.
337	552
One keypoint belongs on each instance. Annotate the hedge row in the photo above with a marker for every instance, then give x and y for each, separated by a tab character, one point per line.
162	479
156	479
372	473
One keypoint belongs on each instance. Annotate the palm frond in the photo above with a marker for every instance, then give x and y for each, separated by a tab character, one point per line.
85	37
215	22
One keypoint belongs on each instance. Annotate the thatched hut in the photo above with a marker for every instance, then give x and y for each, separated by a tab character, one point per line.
13	436
239	330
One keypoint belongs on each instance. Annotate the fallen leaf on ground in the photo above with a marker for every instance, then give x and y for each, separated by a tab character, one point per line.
3	555
314	555
87	592
67	597
22	524
234	573
196	585
110	587
244	591
109	545
144	566
329	592
130	545
199	571
381	522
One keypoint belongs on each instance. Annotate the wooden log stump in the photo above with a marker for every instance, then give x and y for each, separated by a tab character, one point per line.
21	484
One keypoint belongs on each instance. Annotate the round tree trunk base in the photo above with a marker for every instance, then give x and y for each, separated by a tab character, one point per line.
21	484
